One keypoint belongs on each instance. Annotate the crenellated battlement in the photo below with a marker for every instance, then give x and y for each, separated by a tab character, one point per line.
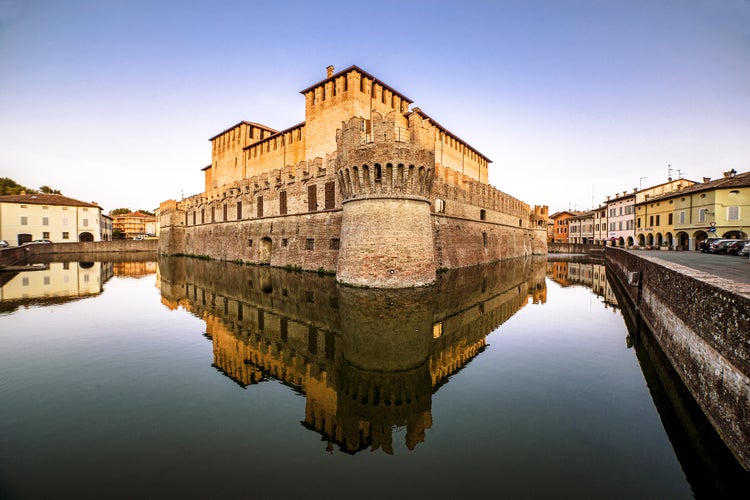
377	158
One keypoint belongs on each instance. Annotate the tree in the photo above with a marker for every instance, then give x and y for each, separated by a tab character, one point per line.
120	211
9	186
147	212
49	190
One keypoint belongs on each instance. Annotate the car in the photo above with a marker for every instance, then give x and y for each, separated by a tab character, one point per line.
719	246
745	250
735	246
3	244
703	247
41	241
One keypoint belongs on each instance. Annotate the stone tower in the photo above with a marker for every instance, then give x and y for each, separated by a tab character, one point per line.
385	174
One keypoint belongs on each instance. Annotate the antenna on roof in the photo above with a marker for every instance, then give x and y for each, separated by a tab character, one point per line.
680	173
669	172
640	183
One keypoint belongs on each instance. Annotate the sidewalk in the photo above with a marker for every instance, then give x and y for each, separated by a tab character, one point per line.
729	267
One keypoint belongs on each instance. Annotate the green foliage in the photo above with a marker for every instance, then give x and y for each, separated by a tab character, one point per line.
147	212
119	211
9	186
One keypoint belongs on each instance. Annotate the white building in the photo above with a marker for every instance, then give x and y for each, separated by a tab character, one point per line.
621	219
54	217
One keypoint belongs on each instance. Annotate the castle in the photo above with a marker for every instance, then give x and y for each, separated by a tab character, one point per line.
381	195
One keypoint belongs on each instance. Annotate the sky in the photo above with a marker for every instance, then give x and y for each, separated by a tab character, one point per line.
572	100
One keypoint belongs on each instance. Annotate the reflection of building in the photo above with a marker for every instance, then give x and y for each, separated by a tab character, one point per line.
134	224
56	281
368	361
134	269
591	274
37	216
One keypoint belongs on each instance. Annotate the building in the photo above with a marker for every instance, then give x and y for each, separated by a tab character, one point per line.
106	227
682	219
366	187
581	228
621	219
134	225
40	216
561	223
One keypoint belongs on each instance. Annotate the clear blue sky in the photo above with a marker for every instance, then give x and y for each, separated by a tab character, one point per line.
114	101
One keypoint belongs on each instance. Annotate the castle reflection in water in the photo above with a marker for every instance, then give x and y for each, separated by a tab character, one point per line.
367	361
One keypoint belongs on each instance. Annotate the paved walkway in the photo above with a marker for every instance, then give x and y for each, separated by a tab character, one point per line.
729	267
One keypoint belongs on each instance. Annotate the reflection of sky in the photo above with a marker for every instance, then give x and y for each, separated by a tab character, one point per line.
124	390
571	100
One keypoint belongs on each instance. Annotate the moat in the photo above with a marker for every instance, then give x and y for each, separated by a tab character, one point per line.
202	379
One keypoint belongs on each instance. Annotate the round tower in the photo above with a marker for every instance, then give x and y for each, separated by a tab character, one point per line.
385	175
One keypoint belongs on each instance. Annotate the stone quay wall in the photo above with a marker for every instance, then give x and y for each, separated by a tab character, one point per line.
14	255
701	323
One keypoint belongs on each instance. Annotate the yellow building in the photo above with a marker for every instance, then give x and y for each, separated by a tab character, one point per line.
54	217
683	218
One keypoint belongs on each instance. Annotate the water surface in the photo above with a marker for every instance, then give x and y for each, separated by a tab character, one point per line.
199	379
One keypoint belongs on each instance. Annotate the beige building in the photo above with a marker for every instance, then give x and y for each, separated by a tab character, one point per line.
57	218
134	225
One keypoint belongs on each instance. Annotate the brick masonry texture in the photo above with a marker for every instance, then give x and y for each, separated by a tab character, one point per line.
380	195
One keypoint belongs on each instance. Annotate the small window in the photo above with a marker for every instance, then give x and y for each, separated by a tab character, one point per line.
259	207
733	213
282	203
45	235
482	214
309	244
24	220
66	235
249	243
284	242
335	244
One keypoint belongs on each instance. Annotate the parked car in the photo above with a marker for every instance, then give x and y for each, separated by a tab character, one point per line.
3	244
745	250
734	247
41	241
720	246
703	247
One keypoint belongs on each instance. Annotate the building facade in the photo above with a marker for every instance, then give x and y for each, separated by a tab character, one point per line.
382	195
134	225
40	216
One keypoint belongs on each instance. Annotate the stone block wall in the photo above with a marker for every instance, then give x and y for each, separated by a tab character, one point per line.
701	323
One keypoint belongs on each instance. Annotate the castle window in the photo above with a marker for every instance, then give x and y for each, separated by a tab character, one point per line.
259	207
284	242
203	216
224	212
194	218
482	214
330	201
239	210
439	206
250	244
213	214
378	173
484	239
282	203
312	339
312	198
335	244
309	244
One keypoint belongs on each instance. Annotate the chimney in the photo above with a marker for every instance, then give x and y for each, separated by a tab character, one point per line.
23	193
329	71
706	179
